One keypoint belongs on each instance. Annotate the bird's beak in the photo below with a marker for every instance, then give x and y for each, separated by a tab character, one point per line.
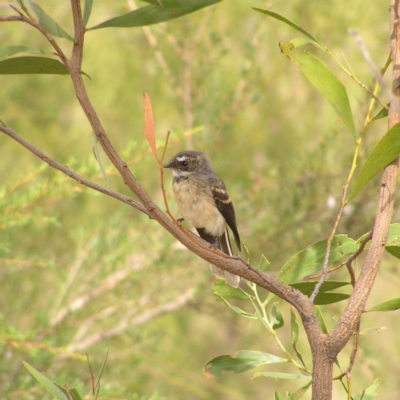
168	165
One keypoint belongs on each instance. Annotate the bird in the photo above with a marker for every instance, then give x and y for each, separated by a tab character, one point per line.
205	204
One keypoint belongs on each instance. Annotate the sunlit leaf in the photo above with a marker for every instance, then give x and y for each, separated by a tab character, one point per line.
384	152
11	50
383	113
323	80
369	393
288	22
278	396
310	259
32	65
221	289
48	23
279	375
389	305
160	11
244	360
46	383
301	42
87	11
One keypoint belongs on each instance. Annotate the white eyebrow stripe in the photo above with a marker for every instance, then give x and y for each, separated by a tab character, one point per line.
181	158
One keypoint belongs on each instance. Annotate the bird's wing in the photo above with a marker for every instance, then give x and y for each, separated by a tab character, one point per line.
224	205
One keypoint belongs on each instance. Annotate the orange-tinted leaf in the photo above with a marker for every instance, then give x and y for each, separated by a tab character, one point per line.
149	124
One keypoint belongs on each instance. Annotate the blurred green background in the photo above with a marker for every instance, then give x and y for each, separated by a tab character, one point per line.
82	273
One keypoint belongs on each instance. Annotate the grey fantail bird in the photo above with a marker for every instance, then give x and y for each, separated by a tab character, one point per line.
205	204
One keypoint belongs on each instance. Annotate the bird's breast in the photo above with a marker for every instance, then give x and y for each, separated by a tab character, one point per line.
197	207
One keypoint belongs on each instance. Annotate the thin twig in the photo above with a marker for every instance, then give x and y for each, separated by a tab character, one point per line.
69	172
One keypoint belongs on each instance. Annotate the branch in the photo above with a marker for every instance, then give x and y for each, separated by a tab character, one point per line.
356	305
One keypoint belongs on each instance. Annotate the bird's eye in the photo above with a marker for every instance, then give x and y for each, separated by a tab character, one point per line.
184	163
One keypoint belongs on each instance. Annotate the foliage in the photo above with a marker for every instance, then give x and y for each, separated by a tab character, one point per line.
88	278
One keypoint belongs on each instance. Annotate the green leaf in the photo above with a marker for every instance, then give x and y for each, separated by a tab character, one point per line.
322	297
11	50
46	383
383	113
279	375
321	320
221	289
87	11
389	305
264	264
323	80
276	317
294	331
329	298
48	23
300	392
160	11
278	396
98	158
288	22
310	259
369	393
32	65
308	287
384	152
244	360
301	42
393	250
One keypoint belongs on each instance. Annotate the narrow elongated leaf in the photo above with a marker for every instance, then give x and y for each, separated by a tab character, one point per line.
384	152
323	80
321	320
87	11
308	287
221	289
32	65
98	157
329	298
148	129
295	335
238	310
287	22
279	375
11	50
323	297
299	393
244	360
48	23
383	113
389	305
46	383
161	11
310	259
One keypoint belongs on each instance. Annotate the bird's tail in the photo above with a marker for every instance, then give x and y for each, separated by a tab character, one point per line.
225	245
